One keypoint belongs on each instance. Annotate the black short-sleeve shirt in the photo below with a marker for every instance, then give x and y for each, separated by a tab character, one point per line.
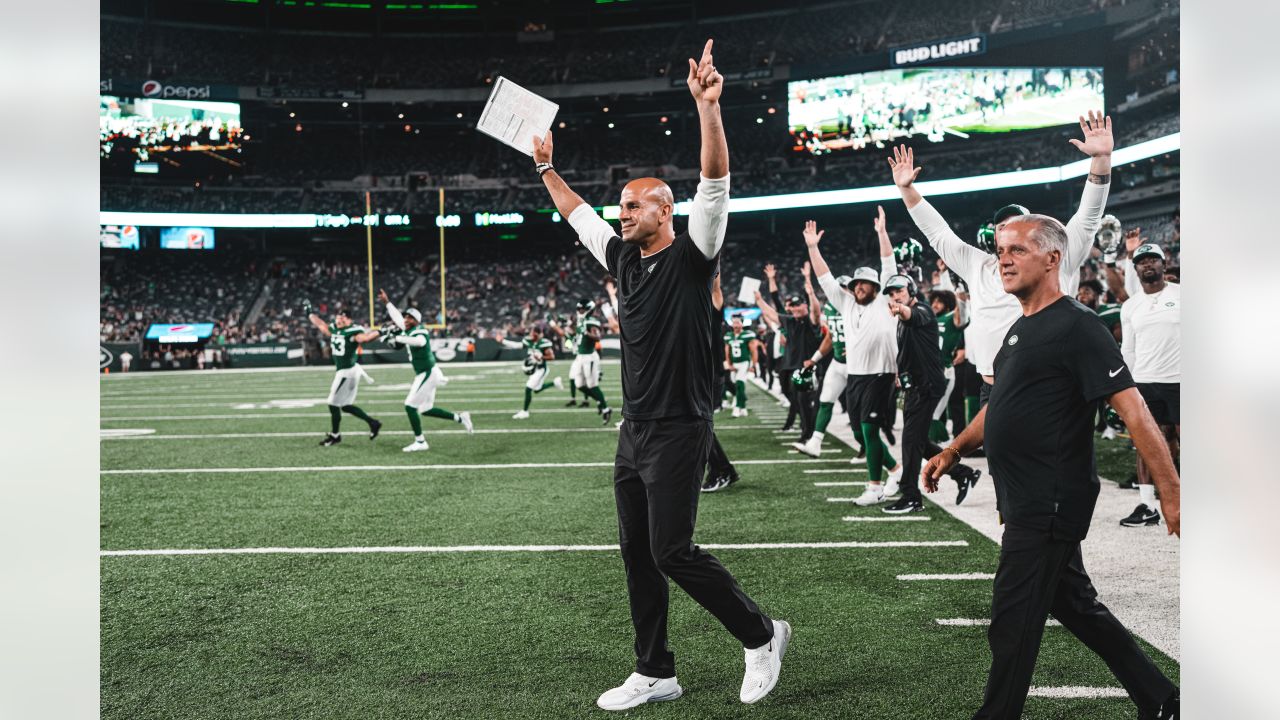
1050	371
918	356
670	348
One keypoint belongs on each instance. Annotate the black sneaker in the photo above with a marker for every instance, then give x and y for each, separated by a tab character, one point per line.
571	403
606	414
862	452
1131	483
1169	709
375	426
903	505
732	475
1142	515
712	484
787	427
330	439
966	477
585	403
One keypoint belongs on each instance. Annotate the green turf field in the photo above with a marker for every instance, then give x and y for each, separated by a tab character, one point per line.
511	632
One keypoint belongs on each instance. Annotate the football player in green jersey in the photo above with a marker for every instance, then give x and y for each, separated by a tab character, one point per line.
950	337
345	338
741	359
538	350
836	377
585	371
428	378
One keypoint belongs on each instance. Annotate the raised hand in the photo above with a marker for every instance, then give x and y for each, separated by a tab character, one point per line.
382	296
812	235
770	271
879	221
542	148
804	269
1132	240
705	84
903	166
1097	135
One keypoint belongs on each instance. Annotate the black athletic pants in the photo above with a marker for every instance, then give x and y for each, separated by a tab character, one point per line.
657	476
1041	574
955	407
717	460
917	413
803	405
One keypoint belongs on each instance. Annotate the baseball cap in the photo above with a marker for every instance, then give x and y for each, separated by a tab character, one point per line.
1007	212
796	300
866	274
898	281
1148	249
413	313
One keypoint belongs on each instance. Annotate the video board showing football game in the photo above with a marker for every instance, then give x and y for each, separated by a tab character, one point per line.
878	108
145	127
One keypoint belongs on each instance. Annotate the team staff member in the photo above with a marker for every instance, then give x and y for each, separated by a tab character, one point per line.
801	326
870	332
924	385
669	356
991	310
1151	326
1054	364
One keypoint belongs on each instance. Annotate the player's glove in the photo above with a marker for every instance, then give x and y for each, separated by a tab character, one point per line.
306	307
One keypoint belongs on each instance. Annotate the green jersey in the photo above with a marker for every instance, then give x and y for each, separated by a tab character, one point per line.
835	325
343	345
538	348
739	345
1109	314
949	337
423	358
584	342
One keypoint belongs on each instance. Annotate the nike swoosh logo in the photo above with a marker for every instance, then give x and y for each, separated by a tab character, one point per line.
1115	372
655	682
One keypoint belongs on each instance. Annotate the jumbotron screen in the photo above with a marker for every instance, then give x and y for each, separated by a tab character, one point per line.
145	126
878	108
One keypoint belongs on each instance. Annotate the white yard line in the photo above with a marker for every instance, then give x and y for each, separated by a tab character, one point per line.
982	622
520	548
145	434
362	468
835	471
160	375
951	576
269	415
886	518
840	484
1076	691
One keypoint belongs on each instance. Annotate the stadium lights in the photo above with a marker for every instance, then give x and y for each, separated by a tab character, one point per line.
1019	178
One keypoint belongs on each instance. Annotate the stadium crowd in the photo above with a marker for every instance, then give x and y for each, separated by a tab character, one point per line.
262	56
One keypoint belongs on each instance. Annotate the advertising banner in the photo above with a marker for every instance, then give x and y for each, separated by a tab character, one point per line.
264	355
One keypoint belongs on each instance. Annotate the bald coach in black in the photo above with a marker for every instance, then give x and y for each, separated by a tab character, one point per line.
670	349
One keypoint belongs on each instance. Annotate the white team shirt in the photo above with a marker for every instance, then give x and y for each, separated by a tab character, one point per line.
992	310
870	331
1152	329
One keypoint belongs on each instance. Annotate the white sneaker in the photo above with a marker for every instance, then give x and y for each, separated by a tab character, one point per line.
522	415
638	690
744	412
1108	433
416	446
764	664
891	486
558	383
873	495
813	448
466	422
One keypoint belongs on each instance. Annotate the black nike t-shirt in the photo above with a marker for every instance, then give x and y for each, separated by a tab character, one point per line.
670	349
1050	371
918	356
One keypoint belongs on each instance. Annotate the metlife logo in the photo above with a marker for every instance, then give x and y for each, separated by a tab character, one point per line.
156	89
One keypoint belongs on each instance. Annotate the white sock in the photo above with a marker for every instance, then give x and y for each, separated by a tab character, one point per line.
816	437
1147	493
419	438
